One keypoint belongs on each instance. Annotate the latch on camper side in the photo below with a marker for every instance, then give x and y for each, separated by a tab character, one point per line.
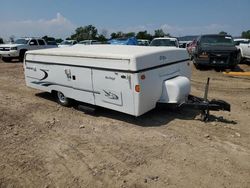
68	73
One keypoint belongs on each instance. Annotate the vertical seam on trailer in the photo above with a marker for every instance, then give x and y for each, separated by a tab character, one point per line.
92	83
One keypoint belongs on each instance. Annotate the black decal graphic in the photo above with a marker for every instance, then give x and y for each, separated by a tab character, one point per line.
111	95
47	84
43	83
45	74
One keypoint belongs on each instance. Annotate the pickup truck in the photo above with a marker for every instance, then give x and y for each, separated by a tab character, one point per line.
20	46
67	43
216	51
244	46
165	41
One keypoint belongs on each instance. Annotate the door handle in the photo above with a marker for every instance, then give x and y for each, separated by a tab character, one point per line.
73	77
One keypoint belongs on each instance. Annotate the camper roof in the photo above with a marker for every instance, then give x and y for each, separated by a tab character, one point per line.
140	57
102	51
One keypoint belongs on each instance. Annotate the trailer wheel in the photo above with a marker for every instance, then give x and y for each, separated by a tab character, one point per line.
62	100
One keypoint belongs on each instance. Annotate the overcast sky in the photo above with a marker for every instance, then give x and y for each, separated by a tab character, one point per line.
59	18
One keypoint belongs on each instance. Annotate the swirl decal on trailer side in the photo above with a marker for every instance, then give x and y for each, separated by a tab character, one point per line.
111	95
45	74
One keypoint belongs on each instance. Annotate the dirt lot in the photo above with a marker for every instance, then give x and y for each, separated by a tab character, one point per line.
46	145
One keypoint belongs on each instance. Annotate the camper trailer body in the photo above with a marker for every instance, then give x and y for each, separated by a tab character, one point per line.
129	79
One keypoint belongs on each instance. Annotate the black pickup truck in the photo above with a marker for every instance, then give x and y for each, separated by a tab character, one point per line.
216	51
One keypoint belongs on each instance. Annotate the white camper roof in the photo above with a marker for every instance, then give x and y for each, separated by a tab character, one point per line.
139	57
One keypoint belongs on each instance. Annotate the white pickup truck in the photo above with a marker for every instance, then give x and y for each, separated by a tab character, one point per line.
20	46
244	46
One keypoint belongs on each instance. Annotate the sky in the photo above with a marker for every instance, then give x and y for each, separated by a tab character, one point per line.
60	18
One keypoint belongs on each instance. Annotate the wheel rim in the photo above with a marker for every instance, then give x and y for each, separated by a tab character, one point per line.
61	97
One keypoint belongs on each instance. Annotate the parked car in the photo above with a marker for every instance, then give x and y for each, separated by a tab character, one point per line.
18	48
143	42
238	41
244	46
124	41
184	44
216	51
67	43
165	41
52	43
89	42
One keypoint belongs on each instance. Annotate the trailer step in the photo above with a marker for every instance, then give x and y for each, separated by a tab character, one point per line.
87	108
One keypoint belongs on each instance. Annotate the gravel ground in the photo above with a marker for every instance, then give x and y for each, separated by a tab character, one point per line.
46	145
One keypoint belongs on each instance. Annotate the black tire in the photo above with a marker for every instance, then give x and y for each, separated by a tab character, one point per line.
197	66
218	69
62	100
6	59
239	57
233	67
21	55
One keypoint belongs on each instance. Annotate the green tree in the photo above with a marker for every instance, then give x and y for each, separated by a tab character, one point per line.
12	38
59	40
245	34
101	38
85	33
120	34
113	35
144	35
161	33
46	38
129	34
223	33
1	41
104	32
116	35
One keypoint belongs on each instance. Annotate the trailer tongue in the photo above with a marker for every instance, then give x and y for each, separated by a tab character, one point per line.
204	105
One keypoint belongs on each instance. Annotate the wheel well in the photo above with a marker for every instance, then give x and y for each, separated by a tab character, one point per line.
53	92
240	51
23	51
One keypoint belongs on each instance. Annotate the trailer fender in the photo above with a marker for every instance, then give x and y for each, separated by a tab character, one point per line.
175	90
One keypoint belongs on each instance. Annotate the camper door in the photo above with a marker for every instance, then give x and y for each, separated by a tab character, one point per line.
81	80
114	90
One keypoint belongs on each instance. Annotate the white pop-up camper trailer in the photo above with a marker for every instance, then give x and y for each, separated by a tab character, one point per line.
129	79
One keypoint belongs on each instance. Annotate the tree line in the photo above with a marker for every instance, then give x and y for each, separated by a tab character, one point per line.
90	32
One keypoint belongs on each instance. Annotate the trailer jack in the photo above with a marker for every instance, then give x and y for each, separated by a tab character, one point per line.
204	105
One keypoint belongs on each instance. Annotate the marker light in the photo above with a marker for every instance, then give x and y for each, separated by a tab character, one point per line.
137	88
143	76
